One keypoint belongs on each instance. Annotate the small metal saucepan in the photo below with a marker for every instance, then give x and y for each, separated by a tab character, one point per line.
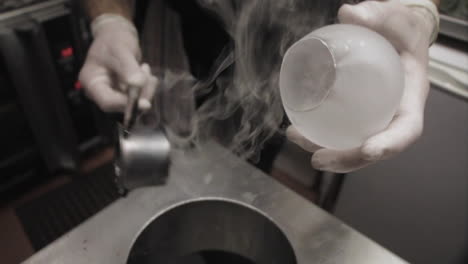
142	158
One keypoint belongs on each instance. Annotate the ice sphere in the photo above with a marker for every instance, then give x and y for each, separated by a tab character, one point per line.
341	84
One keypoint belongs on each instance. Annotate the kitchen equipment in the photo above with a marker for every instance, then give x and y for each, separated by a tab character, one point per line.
142	158
448	65
454	19
48	123
143	148
214	201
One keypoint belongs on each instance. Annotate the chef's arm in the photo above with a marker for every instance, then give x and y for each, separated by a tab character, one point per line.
114	60
94	8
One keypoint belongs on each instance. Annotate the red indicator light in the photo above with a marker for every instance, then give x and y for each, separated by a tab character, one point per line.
78	85
67	52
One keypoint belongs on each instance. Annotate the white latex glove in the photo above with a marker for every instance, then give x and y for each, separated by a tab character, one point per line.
112	64
409	29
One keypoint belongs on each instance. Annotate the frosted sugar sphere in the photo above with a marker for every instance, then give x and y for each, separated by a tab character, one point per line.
341	84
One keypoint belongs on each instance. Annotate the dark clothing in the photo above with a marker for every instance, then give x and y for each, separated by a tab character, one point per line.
194	39
203	35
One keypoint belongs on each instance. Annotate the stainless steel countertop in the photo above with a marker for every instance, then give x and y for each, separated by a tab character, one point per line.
316	236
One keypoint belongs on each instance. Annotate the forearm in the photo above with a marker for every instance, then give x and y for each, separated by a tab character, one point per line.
436	2
95	8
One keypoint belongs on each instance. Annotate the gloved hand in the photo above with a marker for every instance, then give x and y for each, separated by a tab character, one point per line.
410	30
112	64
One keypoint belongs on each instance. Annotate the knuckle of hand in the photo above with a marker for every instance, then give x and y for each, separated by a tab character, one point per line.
343	13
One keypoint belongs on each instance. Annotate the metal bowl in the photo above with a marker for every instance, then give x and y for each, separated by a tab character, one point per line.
209	231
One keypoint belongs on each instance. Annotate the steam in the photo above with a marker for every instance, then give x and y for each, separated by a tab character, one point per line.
243	110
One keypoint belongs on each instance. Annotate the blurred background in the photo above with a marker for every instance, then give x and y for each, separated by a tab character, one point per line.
56	147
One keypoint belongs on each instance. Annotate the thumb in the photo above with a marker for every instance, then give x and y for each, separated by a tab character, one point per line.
294	136
363	14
